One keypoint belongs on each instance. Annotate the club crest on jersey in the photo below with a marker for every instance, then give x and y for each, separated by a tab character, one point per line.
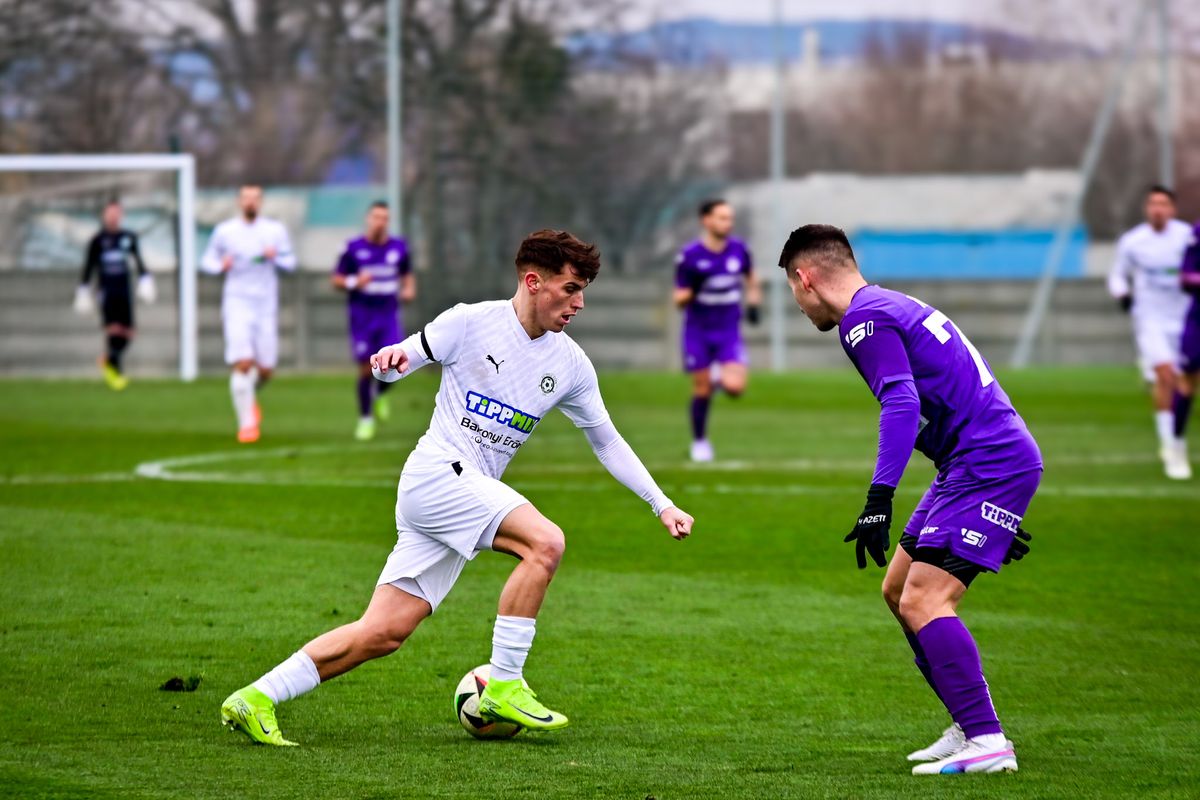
393	256
500	412
859	332
548	384
733	263
999	516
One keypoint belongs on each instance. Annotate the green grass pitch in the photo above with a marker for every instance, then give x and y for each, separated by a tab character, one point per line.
752	660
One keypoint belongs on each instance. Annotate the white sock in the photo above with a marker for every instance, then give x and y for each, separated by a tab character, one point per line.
992	741
290	679
1164	421
241	388
511	640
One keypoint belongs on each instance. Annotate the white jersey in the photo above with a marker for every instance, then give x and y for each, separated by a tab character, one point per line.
498	385
1151	260
252	277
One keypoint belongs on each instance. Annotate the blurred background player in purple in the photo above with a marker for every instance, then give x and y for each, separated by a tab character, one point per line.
109	257
713	274
376	274
1189	281
937	395
1145	281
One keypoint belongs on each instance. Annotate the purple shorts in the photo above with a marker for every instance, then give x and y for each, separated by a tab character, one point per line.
1189	346
372	329
702	346
975	519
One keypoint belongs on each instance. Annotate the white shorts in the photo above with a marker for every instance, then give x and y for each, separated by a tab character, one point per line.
444	517
1158	342
251	331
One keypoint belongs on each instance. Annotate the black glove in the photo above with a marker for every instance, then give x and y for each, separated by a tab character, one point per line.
1126	302
1018	549
870	534
752	315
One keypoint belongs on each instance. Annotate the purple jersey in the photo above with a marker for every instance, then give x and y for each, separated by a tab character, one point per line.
716	281
386	263
966	418
1189	279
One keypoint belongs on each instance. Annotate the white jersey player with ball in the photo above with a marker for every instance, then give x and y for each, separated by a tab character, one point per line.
505	366
249	249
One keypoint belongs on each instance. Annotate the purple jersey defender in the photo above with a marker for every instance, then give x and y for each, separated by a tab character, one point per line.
1189	278
374	307
988	464
711	330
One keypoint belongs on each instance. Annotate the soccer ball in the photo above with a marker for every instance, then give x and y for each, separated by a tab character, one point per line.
466	706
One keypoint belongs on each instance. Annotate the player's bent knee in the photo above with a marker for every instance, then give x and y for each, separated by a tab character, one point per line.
549	546
915	607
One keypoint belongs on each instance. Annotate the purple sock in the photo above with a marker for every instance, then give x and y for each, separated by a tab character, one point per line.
364	396
1182	406
699	416
958	675
922	662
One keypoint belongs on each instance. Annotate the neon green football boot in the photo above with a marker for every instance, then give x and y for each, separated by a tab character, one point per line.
382	408
252	712
514	701
115	380
364	431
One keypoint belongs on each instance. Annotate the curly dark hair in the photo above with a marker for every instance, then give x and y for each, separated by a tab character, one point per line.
549	251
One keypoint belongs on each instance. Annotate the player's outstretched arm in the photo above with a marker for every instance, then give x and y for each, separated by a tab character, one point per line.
623	464
400	360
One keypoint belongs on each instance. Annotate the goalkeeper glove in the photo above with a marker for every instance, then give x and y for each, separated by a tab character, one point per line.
1126	302
1019	547
83	300
145	289
870	534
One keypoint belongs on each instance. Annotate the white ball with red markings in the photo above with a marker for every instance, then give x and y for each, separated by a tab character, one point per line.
466	706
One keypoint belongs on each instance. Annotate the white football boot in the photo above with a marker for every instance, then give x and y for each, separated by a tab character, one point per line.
702	451
972	757
1177	466
950	743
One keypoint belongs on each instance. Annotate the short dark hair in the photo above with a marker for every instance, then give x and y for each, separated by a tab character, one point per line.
825	243
1158	188
112	201
378	204
548	251
709	205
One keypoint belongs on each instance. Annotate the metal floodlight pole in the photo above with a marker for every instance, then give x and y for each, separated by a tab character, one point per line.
778	332
1040	305
1166	150
395	148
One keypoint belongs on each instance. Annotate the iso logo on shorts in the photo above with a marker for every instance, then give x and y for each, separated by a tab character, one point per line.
548	384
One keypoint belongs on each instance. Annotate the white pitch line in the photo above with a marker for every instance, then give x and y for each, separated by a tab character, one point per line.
34	480
165	469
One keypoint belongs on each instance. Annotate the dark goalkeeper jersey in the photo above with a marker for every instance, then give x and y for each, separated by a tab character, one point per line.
109	257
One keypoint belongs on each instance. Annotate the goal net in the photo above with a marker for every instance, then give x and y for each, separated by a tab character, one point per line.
50	208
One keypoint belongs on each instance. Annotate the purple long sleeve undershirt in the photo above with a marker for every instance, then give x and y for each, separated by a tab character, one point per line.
899	423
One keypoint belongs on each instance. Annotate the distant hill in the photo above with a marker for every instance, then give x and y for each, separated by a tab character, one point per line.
699	40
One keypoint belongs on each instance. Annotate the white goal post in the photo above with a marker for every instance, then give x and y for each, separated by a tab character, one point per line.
184	167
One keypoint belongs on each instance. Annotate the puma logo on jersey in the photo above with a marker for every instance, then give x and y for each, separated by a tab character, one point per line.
859	332
495	363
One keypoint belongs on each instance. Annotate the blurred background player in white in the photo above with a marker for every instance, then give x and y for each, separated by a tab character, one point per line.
248	249
108	258
1145	281
712	274
375	273
505	365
